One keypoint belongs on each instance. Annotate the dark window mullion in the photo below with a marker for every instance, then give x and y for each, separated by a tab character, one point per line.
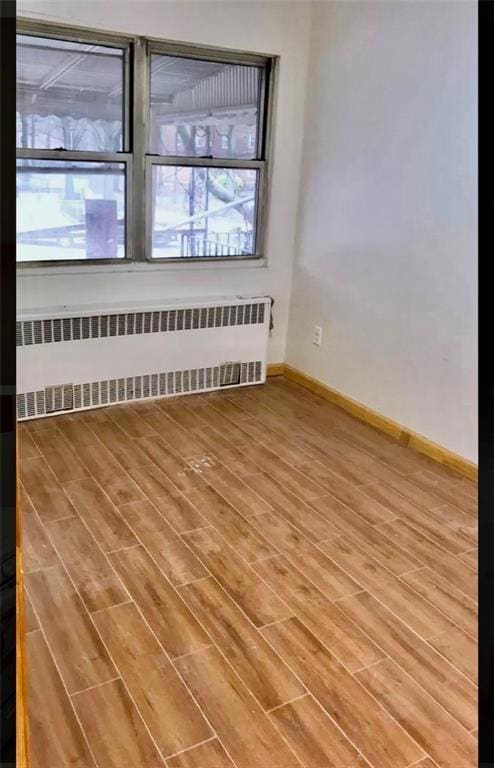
140	126
66	155
205	162
127	101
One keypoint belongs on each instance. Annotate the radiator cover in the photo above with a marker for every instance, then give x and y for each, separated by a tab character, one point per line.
70	360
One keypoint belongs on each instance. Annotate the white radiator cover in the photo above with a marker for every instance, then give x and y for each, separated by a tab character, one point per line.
69	360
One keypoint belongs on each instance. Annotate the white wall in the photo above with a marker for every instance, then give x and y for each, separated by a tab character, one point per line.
275	28
386	256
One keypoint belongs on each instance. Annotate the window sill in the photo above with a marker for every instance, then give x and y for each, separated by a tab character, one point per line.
30	270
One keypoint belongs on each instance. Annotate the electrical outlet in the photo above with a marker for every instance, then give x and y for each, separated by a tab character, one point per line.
317	337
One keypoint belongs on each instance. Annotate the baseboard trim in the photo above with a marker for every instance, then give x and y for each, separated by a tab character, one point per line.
275	369
434	451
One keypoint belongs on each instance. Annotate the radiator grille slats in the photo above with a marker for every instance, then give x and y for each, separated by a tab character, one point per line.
30	403
28	333
230	374
77	396
95	329
21	406
100	326
95	393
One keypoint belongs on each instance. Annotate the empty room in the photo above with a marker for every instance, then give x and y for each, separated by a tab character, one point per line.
246	337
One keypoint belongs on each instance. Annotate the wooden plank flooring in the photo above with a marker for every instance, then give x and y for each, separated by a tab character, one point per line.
249	578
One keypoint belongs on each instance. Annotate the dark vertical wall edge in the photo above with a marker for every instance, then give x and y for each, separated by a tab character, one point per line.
486	389
7	386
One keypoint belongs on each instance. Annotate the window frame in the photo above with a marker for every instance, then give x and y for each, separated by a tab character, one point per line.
125	156
136	156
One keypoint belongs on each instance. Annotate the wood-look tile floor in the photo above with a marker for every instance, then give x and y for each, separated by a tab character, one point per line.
250	578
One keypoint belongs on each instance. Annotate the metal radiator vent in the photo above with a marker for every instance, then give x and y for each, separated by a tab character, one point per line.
230	374
95	393
59	398
101	326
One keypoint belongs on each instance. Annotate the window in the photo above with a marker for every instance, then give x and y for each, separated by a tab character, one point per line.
72	167
97	182
70	210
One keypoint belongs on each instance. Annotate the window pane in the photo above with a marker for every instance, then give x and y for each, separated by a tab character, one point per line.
203	108
203	212
69	95
68	210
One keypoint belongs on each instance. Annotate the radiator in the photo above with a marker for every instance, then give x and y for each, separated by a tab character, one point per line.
70	360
